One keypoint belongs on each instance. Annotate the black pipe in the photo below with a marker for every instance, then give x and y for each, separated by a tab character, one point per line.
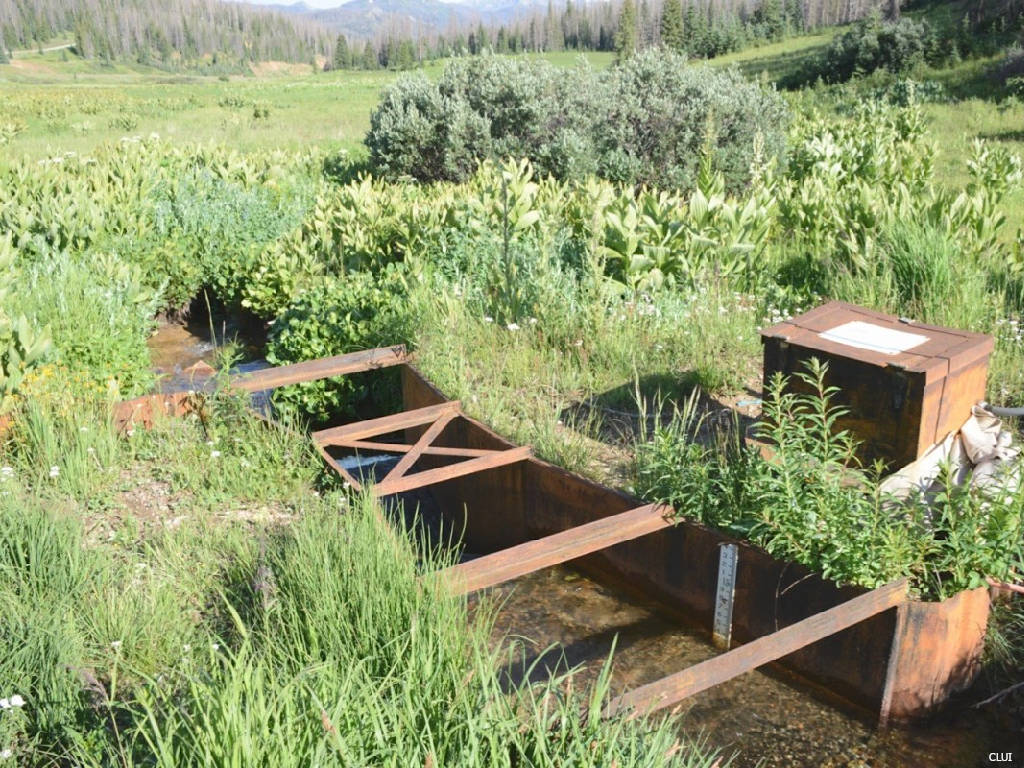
1004	413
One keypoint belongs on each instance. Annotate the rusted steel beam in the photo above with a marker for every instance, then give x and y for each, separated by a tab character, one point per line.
439	475
885	707
511	563
429	435
143	411
385	424
347	476
324	368
674	688
430	450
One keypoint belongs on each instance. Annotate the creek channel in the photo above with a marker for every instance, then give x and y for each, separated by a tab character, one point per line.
561	619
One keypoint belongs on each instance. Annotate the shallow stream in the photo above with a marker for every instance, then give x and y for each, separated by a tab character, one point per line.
761	717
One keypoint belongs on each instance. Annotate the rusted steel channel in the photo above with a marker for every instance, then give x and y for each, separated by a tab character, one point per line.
875	649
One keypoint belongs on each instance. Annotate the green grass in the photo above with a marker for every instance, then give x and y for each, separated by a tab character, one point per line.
74	105
228	621
328	110
140	555
776	61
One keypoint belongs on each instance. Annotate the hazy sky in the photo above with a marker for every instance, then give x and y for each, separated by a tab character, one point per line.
328	3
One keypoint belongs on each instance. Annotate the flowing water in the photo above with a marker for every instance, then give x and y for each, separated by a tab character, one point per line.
183	356
558	619
763	718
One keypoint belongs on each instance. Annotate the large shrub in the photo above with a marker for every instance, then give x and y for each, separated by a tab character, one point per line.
645	121
872	44
417	132
659	116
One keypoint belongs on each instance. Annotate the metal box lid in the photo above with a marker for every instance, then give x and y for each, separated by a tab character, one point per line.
846	330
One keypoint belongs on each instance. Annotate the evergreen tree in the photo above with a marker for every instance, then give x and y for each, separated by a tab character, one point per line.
626	35
553	37
695	29
406	55
672	36
389	54
644	27
585	35
770	17
342	55
369	60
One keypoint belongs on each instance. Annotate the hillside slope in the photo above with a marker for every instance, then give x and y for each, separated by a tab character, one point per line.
162	32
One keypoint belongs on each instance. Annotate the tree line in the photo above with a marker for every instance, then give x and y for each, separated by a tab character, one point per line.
698	28
164	32
173	32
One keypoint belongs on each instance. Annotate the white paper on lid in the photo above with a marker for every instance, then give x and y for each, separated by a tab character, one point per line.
876	338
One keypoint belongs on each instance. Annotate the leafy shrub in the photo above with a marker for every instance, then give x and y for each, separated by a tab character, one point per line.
209	231
645	121
231	101
873	44
658	116
283	270
812	503
905	92
9	129
99	311
22	347
338	315
126	121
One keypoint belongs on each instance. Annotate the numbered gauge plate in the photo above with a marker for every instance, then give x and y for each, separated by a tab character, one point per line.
727	559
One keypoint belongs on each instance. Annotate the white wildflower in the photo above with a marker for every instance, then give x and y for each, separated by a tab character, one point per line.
5	703
215	646
513	326
7	754
116	644
17	701
214	454
54	471
488	319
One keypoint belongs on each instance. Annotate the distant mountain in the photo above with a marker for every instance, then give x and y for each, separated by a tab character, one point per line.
368	18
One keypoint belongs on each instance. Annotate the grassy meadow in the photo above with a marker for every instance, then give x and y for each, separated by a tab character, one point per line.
67	104
205	593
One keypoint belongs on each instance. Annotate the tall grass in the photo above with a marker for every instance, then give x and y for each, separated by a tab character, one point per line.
330	671
311	638
920	273
575	336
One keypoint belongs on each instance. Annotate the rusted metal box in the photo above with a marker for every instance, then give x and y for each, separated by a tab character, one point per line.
906	385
